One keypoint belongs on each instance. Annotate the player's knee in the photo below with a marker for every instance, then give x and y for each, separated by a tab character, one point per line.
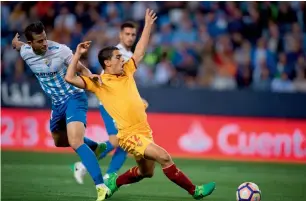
75	132
164	158
114	140
148	174
75	143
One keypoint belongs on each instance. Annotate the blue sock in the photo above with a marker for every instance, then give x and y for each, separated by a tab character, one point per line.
109	148
92	144
118	159
89	160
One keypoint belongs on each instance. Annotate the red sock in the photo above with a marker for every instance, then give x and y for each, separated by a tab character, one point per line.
178	177
130	176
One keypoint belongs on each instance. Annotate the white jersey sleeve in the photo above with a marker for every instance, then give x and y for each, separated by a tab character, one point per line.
66	54
26	52
127	54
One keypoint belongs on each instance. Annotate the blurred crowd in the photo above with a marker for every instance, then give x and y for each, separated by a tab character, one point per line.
218	45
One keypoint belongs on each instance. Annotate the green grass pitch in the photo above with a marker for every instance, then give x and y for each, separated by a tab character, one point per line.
48	177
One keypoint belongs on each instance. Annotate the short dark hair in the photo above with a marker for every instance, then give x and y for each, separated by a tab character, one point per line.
127	25
105	54
36	28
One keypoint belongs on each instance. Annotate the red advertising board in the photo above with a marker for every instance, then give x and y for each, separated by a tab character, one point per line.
193	136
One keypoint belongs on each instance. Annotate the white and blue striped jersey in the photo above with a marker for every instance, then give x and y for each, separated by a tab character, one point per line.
50	70
127	54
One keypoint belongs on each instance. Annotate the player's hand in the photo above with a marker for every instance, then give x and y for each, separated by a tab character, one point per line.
96	78
83	47
150	17
15	40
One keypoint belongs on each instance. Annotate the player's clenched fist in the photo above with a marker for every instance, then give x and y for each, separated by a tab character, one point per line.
150	17
15	39
83	47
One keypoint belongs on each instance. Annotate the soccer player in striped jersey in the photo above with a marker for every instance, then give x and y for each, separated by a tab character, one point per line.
127	37
49	60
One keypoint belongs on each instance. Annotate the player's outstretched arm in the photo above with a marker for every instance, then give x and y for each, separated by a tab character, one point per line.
85	82
142	44
81	68
16	43
71	76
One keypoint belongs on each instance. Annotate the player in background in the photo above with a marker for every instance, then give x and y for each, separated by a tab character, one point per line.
49	60
118	92
127	37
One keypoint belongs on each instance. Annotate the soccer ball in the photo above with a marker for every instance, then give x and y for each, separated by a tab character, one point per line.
248	191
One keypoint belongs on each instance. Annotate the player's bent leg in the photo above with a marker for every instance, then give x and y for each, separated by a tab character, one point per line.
75	131
111	144
60	138
58	128
144	169
134	144
90	143
160	155
117	161
100	150
118	158
113	140
79	170
59	132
